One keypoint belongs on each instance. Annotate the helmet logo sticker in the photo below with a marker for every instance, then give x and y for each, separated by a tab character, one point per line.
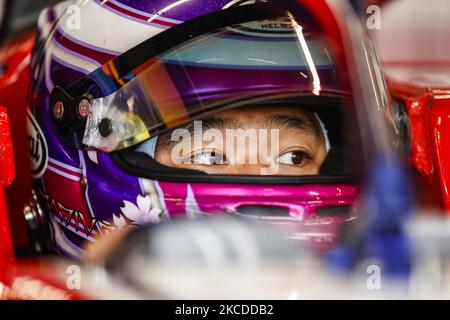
37	147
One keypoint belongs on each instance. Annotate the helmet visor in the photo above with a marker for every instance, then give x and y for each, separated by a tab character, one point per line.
241	64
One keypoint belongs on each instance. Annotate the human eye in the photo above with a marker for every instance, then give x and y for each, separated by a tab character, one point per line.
294	158
208	158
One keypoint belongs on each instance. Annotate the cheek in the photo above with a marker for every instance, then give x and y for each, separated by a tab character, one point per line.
321	153
160	157
311	170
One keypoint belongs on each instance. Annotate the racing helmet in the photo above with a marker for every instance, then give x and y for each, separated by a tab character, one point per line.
116	82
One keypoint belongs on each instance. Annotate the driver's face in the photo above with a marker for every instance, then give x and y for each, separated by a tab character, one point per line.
294	144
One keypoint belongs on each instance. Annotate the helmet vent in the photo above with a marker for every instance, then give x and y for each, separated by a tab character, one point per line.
333	210
263	211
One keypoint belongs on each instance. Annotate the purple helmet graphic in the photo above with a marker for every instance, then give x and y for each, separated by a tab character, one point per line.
134	105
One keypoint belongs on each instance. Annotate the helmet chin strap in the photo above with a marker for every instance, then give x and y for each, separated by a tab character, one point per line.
149	147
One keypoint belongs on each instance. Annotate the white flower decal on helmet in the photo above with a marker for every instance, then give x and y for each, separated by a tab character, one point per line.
139	214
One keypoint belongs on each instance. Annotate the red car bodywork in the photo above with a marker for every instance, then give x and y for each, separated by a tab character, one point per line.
429	115
415	57
10	58
14	82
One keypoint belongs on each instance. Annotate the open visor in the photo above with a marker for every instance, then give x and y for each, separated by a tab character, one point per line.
278	58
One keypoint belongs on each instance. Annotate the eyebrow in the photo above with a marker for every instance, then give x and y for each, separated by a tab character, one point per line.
292	122
213	123
281	120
